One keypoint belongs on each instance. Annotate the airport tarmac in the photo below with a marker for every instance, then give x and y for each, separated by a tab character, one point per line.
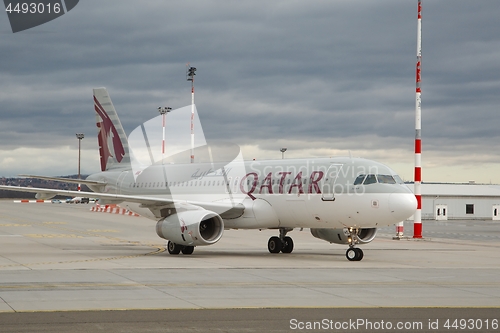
63	257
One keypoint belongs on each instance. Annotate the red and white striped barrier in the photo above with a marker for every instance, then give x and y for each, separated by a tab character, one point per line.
32	201
112	209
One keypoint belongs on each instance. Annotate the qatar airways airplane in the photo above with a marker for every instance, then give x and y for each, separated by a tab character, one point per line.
341	200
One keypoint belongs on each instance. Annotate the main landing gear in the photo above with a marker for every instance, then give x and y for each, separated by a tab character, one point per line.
283	243
173	248
353	253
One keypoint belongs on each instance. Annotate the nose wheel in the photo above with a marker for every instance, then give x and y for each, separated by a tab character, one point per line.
282	243
354	254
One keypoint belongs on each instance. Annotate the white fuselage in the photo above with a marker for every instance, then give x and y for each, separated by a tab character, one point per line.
305	193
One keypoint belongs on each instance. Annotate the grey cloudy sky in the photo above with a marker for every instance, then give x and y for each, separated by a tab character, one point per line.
320	77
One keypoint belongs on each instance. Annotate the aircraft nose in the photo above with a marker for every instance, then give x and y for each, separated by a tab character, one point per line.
402	205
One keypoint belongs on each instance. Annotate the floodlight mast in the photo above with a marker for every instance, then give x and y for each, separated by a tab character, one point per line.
163	111
190	73
79	136
283	150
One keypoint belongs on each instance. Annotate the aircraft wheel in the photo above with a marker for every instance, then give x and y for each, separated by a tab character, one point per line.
351	254
173	248
274	245
288	245
359	254
187	250
354	254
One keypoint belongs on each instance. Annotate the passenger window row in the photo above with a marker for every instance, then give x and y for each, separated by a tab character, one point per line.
172	184
382	179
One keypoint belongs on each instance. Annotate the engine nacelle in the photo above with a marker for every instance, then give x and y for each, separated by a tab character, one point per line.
341	236
192	227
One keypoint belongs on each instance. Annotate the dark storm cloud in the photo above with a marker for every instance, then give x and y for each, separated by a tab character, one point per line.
336	72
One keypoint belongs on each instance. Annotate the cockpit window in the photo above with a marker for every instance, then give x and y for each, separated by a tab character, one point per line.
370	179
386	179
382	179
398	179
359	179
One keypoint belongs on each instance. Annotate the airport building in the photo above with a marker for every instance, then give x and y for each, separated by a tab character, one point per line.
441	201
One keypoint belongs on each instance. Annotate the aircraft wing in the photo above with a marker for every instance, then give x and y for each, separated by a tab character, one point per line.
225	210
67	180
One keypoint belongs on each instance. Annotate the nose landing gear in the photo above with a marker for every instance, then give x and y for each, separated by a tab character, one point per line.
353	253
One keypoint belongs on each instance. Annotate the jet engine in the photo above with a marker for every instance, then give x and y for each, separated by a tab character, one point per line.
191	228
341	236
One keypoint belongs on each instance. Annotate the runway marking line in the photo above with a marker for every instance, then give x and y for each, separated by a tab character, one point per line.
15	225
102	230
52	236
158	250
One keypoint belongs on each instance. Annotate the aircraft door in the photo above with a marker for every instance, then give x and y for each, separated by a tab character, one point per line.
328	186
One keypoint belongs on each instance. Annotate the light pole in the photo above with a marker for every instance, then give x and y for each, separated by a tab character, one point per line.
163	111
283	150
79	136
190	77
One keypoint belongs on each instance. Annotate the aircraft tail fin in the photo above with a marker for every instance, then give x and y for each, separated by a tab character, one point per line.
113	143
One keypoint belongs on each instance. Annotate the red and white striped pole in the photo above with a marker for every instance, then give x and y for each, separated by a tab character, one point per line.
163	111
399	230
417	217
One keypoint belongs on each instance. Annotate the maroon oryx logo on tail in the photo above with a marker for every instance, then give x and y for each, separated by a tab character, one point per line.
108	137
